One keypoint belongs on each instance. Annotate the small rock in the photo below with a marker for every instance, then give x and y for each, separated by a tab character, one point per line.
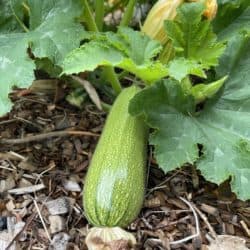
24	183
13	228
7	184
228	242
57	223
59	242
5	239
58	206
71	185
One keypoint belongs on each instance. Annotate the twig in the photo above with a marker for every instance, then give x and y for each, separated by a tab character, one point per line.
46	136
51	166
174	222
197	234
204	218
7	121
6	168
161	185
41	218
245	227
196	225
26	190
147	224
90	90
29	122
18	156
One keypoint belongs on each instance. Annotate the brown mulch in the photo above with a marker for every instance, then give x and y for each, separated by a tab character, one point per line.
55	157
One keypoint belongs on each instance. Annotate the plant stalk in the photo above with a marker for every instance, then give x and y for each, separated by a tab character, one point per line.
99	13
106	107
167	53
89	18
128	15
112	77
19	20
108	70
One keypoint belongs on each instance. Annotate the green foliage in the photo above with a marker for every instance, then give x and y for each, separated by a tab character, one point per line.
228	11
222	128
202	91
127	49
193	37
10	11
180	67
52	33
240	24
46	35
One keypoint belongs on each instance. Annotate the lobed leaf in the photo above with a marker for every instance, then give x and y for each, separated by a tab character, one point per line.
192	37
127	49
222	128
52	34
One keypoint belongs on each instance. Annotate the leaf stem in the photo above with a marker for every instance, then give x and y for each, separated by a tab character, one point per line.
186	85
89	18
108	70
167	52
112	78
99	13
19	20
128	13
106	107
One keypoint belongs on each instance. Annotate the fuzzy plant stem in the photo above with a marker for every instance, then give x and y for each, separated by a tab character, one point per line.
108	70
128	15
19	20
89	18
99	13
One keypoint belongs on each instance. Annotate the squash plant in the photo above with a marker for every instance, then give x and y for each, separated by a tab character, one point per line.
191	87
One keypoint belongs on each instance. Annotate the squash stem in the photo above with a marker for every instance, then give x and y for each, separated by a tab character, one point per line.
128	13
89	18
19	20
108	70
99	13
106	107
112	78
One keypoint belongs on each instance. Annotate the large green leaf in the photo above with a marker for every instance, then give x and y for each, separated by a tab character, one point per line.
16	69
222	128
180	67
10	12
52	33
166	109
228	11
240	24
127	49
192	37
55	32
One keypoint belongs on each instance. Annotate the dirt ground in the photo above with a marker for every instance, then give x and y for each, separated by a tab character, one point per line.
45	149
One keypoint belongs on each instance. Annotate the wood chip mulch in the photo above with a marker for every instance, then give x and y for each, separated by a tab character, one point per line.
41	182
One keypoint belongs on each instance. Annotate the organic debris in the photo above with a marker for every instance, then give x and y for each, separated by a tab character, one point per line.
179	207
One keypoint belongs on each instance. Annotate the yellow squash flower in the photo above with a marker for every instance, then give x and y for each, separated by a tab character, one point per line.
211	8
161	11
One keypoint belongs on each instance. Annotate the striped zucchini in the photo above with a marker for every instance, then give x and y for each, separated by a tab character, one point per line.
114	186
